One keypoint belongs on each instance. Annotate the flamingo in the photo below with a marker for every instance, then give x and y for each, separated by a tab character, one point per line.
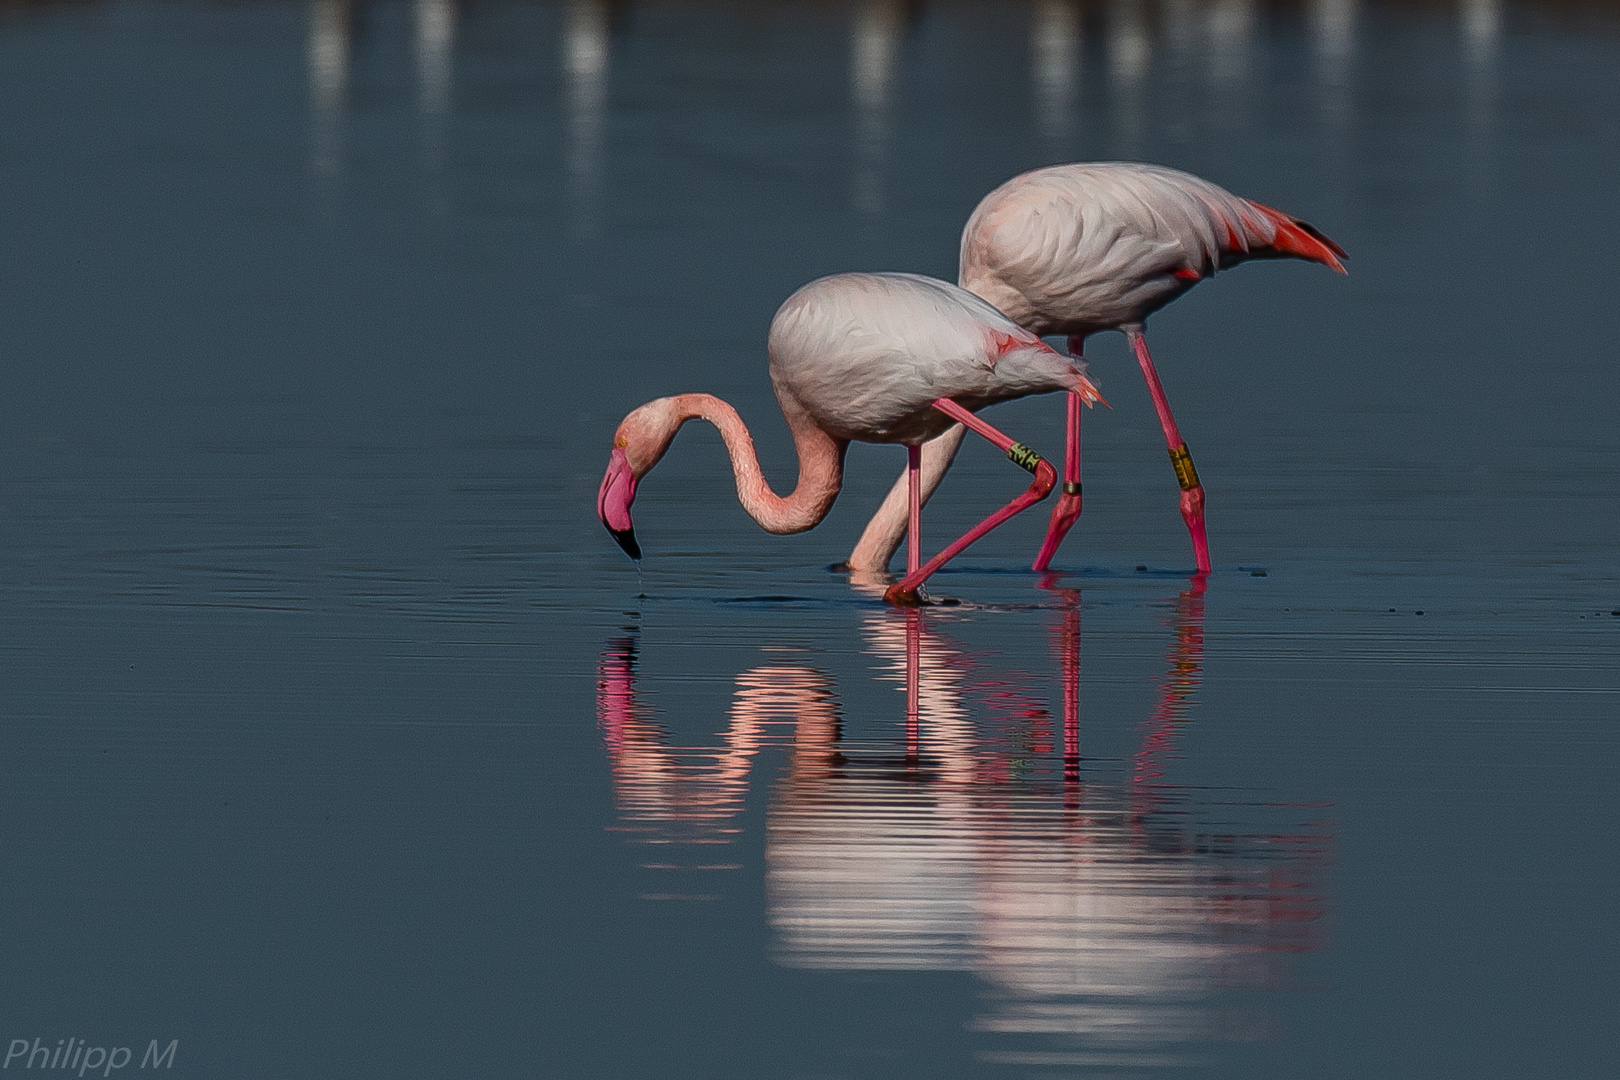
880	358
1078	249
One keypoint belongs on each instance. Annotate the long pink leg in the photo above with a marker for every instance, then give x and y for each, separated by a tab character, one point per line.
1192	492
1066	511
881	537
914	528
904	591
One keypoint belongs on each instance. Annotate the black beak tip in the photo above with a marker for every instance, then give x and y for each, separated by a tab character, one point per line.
626	539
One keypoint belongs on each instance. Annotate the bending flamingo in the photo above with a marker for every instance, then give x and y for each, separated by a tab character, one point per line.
1077	249
881	358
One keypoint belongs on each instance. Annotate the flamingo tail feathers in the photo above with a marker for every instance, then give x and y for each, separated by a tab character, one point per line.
1302	240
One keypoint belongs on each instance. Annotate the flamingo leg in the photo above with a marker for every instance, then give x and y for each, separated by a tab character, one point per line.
1066	511
904	591
914	526
1192	492
882	534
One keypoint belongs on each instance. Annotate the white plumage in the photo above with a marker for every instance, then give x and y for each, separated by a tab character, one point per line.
866	355
1074	249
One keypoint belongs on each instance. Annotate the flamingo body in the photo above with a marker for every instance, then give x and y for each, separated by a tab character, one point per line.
866	355
1076	249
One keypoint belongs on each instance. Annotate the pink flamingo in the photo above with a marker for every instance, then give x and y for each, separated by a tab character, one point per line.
880	358
1077	249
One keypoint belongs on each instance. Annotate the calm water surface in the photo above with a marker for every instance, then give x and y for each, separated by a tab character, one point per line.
338	739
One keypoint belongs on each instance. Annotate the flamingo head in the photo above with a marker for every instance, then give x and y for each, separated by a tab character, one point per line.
613	501
640	442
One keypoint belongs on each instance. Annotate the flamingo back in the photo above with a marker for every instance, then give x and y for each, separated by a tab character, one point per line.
866	355
1073	249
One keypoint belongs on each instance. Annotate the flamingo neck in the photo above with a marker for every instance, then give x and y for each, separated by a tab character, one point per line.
821	463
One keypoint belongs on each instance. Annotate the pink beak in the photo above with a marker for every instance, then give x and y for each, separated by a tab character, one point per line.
613	502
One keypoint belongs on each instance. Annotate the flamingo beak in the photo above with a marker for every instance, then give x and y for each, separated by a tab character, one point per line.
613	501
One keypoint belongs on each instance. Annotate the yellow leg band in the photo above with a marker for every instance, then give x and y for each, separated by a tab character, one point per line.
1181	461
1023	456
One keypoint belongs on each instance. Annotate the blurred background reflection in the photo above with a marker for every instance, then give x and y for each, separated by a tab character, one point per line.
874	53
1054	67
1163	68
435	70
585	47
328	58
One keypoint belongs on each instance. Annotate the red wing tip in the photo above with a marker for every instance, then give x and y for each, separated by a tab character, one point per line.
1323	237
1090	394
1303	240
1331	257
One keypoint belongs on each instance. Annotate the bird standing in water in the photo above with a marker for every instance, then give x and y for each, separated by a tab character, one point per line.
1077	249
880	358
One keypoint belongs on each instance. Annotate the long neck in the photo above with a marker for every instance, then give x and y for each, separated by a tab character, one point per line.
821	464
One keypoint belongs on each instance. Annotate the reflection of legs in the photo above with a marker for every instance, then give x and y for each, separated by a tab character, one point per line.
882	536
1066	643
1192	492
1069	660
1067	509
1184	667
904	591
913	687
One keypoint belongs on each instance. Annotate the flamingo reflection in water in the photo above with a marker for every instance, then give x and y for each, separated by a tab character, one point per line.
1096	907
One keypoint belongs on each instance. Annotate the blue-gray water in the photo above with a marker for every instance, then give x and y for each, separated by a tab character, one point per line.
340	740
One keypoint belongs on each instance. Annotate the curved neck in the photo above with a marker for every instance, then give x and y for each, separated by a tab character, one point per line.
821	463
